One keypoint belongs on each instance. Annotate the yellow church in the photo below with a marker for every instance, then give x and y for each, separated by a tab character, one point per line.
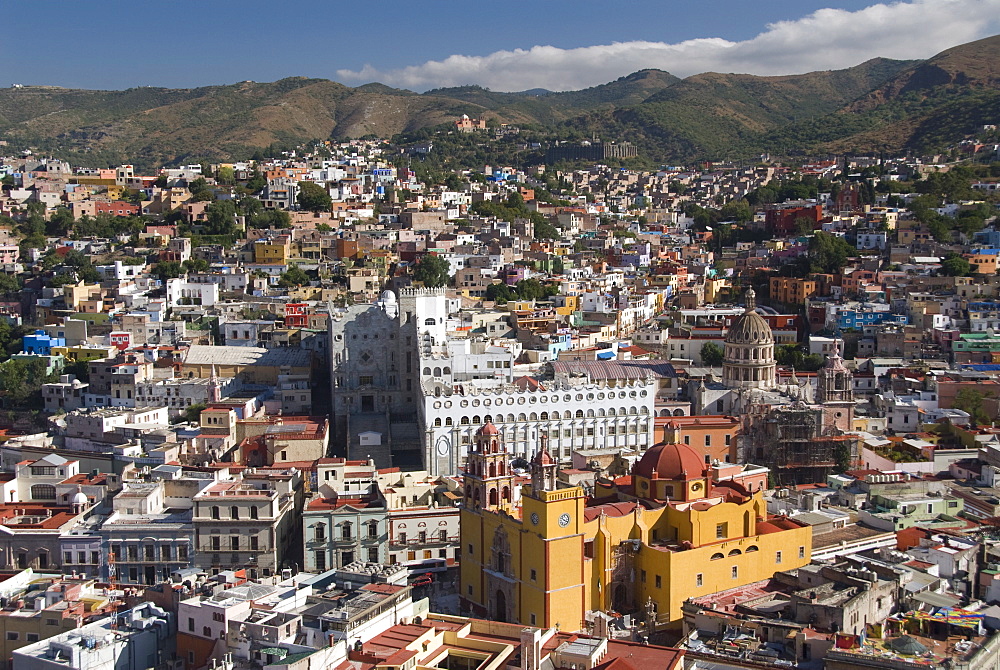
540	555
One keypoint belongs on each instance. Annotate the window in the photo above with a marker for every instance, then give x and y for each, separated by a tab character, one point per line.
12	635
234	542
32	637
43	492
52	622
708	440
319	532
234	512
345	530
320	557
373	554
699	579
532	618
443	535
68	557
253	512
642	576
206	631
659	582
218	616
721	531
215	512
216	543
470	554
182	552
254	543
149	552
191	624
534	574
802	552
777	557
736	572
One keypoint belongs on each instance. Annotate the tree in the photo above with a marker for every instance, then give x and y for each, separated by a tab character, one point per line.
294	276
828	253
712	354
971	400
313	197
500	293
192	414
196	265
737	210
955	265
21	382
432	270
226	176
168	270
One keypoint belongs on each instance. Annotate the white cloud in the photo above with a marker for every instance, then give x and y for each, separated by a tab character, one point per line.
824	40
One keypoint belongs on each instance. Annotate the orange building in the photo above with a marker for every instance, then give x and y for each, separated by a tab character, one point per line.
713	436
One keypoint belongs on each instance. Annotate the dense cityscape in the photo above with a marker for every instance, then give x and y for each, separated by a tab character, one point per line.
337	406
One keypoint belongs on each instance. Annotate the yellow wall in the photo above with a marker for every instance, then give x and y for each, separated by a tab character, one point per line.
567	583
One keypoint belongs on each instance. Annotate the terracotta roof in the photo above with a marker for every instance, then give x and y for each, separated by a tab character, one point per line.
670	461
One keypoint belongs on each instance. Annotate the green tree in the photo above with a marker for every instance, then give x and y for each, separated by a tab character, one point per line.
313	197
196	265
712	354
955	265
168	270
500	293
432	270
971	400
737	210
21	382
293	276
226	176
256	183
192	414
60	223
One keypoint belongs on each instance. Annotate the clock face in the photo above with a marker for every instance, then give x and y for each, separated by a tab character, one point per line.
563	520
534	518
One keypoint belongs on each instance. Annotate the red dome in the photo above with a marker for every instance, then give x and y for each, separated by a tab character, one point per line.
488	429
670	461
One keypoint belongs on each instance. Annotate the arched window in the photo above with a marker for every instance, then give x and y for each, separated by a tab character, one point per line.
447	371
522	417
751	548
447	421
544	416
427	372
464	421
590	414
735	552
533	417
493	496
579	413
215	512
430	322
437	372
475	419
43	492
716	557
234	512
437	422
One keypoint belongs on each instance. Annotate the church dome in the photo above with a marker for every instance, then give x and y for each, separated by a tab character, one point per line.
79	498
670	461
750	327
488	429
387	298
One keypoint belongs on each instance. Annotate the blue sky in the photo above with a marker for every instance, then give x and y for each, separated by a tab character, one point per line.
422	44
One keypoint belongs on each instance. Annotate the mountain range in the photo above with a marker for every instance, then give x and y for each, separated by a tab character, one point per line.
880	105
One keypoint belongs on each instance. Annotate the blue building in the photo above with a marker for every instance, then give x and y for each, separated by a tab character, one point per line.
858	319
41	343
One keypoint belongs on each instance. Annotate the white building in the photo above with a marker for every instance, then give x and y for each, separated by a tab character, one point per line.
180	291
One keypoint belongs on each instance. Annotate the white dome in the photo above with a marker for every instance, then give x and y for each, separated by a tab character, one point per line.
80	498
388	298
